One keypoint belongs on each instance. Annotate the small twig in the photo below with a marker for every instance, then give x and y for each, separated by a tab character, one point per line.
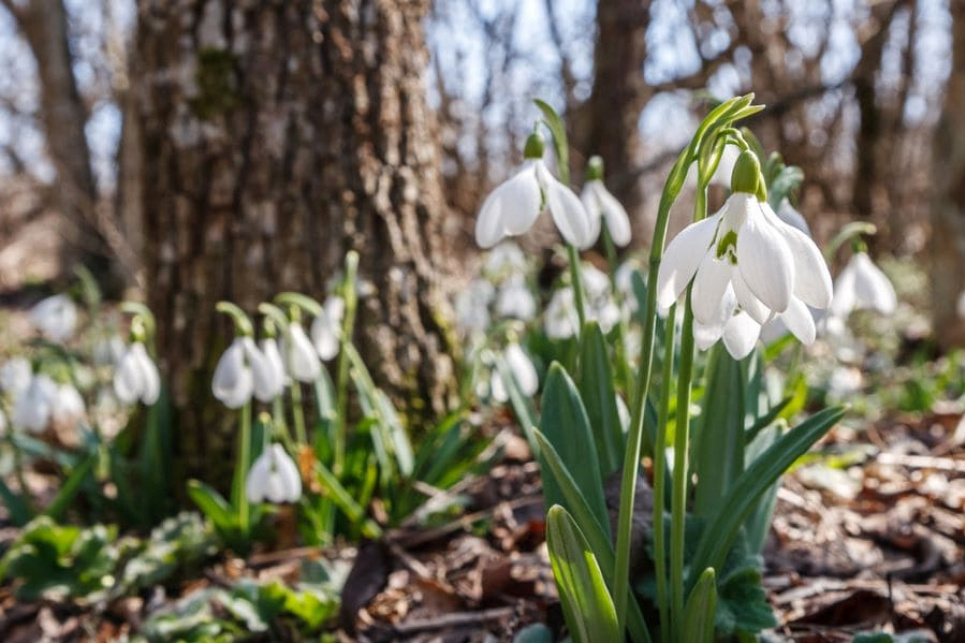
459	619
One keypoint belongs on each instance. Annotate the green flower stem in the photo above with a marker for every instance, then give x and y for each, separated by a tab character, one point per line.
298	412
678	509
350	297
631	462
18	470
659	477
623	362
244	455
576	276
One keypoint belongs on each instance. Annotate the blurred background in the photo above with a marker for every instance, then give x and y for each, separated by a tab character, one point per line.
201	150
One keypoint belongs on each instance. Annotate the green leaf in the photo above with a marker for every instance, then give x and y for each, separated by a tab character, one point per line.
213	505
16	505
759	521
599	396
597	534
701	610
719	443
587	604
567	428
71	487
737	505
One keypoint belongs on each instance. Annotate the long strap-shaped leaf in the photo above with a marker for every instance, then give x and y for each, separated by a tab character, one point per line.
701	611
586	601
599	541
719	533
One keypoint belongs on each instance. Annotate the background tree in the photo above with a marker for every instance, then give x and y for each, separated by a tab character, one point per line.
948	201
277	136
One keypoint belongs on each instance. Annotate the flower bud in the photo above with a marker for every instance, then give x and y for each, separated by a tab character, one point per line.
747	174
535	146
594	169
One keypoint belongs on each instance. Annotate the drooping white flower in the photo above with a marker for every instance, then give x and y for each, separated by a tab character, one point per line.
67	405
242	372
33	407
472	305
137	377
108	351
303	362
561	319
273	478
747	267
515	300
15	375
521	366
55	317
327	328
789	215
269	348
513	207
603	207
505	258
862	285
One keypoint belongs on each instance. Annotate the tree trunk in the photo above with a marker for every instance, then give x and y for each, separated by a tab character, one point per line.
43	24
278	135
609	123
948	200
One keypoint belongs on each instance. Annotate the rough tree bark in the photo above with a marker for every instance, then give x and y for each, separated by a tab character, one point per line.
618	89
948	198
43	24
277	135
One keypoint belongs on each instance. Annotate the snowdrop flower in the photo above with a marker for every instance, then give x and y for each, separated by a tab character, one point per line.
242	372
601	206
472	305
844	382
747	266
67	405
269	348
515	300
523	371
561	319
137	377
109	351
34	405
15	375
862	285
506	258
55	317
327	328
274	478
789	215
303	362
514	206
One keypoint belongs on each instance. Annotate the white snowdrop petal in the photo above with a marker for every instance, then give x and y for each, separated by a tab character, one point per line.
303	359
269	348
150	376
799	321
740	335
706	335
568	214
764	259
128	378
681	259
593	207
748	301
497	389
264	383
812	279
710	284
522	369
872	287
511	209
616	217
844	293
232	382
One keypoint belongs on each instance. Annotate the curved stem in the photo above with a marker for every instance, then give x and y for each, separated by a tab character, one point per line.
350	297
298	412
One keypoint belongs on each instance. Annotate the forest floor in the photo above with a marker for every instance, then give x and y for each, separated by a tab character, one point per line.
868	536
